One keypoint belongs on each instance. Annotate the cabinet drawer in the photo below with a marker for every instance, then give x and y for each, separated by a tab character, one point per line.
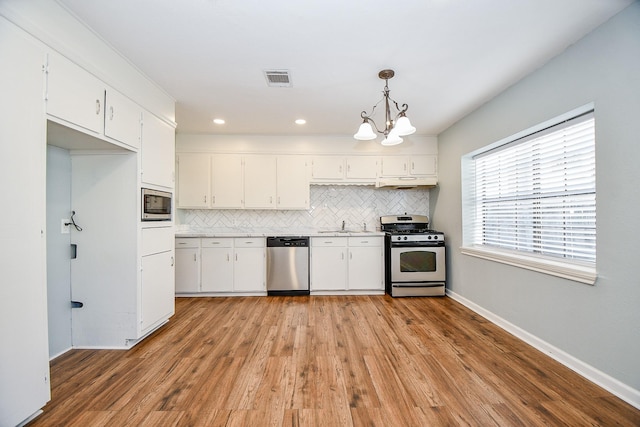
187	242
249	242
217	242
329	241
365	241
156	240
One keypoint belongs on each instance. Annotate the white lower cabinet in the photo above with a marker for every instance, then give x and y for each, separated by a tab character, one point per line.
217	265
249	266
328	263
187	265
366	263
220	264
157	296
157	282
347	263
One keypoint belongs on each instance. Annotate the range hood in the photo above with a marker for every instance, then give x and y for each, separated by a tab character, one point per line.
405	182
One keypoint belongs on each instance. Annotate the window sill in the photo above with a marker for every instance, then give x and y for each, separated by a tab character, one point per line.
576	272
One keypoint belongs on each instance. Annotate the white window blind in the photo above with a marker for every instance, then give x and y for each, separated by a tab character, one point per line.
538	194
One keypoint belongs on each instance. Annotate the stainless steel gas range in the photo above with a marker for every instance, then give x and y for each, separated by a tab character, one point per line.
414	256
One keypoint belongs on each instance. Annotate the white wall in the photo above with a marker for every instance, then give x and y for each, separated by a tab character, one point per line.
58	250
597	325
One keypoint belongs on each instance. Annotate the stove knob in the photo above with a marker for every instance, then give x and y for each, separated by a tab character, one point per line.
405	237
429	237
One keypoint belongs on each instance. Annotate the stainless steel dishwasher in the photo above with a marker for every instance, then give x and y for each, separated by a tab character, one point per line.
287	266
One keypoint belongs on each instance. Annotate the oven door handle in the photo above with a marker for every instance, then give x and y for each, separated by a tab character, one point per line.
416	245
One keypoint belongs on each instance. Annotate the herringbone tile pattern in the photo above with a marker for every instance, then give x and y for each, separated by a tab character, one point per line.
330	205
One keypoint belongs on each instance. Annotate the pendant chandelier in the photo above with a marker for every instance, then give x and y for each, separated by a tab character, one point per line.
394	128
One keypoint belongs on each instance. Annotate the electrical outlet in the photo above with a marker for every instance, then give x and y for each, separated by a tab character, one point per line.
64	229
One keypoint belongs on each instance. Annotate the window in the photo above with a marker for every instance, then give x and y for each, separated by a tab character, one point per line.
530	200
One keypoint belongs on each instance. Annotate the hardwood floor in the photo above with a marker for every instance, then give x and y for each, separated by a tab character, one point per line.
325	361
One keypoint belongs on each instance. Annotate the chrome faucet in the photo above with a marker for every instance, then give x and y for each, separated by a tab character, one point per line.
343	224
364	226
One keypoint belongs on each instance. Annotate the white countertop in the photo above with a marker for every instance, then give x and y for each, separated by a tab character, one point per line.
185	231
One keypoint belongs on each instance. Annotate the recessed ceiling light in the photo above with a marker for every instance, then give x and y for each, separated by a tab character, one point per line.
301	121
218	121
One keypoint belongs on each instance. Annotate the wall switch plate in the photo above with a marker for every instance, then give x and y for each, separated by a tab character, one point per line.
65	229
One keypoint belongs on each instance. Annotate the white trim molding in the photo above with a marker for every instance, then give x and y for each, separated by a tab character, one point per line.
612	385
576	272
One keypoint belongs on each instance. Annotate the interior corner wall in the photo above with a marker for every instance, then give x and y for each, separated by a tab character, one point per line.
597	325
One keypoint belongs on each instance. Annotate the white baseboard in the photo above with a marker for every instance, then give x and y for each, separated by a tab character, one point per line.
614	386
59	354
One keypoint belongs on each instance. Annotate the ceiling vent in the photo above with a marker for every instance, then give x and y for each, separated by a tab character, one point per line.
278	78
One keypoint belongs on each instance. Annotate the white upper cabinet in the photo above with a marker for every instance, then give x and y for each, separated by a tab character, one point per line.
260	181
123	119
362	168
74	95
344	170
194	181
78	99
398	166
327	168
292	182
157	152
227	181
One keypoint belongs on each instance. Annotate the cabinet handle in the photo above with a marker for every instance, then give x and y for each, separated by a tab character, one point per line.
405	167
213	200
278	199
340	168
342	255
97	106
348	168
172	261
194	258
227	257
413	166
270	200
350	255
111	112
236	257
205	199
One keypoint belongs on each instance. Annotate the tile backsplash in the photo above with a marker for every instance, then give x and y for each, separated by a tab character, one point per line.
330	205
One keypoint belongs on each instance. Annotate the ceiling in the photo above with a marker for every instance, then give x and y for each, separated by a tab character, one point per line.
449	56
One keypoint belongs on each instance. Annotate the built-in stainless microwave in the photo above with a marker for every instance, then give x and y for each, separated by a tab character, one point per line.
156	205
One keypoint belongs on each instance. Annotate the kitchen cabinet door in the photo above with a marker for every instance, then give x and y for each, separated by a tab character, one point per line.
364	168
423	165
260	182
249	269
123	119
157	152
328	264
227	181
74	95
365	268
24	357
393	166
187	274
157	289
327	168
398	166
217	265
193	181
292	182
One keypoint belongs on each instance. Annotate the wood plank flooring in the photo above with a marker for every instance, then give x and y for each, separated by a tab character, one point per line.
325	361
